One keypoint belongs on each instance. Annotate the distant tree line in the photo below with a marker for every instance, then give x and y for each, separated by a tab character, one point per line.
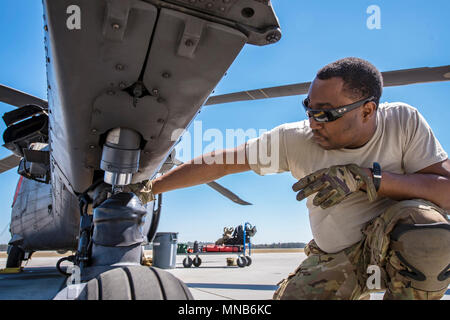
3	247
279	245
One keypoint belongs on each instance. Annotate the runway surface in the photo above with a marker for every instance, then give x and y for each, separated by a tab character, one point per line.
213	280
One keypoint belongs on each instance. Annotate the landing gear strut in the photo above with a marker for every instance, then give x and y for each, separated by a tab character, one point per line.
110	246
15	257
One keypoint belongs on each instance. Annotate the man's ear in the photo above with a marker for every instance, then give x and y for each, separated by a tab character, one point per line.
368	110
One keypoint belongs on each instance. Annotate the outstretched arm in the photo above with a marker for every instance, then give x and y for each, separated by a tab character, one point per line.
203	170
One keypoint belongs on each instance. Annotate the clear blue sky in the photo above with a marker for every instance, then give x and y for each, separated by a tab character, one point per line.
413	34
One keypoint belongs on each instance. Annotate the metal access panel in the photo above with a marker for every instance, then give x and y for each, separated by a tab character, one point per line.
177	56
187	59
102	54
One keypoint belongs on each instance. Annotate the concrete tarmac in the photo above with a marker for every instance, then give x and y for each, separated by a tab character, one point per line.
212	280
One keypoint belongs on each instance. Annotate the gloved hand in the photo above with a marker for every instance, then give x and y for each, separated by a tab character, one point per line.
100	194
143	190
334	184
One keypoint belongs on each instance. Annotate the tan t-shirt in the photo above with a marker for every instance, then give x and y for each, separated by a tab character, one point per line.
403	143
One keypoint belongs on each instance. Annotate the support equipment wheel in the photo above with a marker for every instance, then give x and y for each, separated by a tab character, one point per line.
197	261
241	261
249	260
187	262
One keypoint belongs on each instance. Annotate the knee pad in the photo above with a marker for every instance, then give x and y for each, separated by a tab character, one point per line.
425	251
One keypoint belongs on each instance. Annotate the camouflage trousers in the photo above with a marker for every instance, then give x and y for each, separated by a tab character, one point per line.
345	275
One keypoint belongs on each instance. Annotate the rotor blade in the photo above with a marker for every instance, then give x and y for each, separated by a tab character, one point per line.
390	78
273	92
18	98
227	193
417	75
9	162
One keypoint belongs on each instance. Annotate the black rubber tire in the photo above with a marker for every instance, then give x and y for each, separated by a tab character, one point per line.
135	283
15	257
197	261
249	260
241	262
187	262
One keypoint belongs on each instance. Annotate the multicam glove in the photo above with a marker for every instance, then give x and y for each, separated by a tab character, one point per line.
143	190
334	184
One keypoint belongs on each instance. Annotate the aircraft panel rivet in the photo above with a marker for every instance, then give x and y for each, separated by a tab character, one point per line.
166	75
115	26
119	66
160	120
92	146
160	100
226	1
94	130
155	92
122	85
110	92
189	43
209	5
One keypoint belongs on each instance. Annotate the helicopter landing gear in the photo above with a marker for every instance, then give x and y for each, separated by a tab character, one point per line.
135	283
111	249
109	253
15	257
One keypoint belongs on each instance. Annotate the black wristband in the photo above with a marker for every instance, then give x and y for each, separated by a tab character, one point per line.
376	173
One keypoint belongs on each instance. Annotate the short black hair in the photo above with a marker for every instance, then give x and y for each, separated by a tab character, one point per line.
362	79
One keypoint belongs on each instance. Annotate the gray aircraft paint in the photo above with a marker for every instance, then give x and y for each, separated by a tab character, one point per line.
95	52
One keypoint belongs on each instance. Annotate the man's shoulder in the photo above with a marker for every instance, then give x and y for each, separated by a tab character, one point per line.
390	108
398	112
298	127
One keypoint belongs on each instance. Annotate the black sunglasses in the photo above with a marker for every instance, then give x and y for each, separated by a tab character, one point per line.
332	114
